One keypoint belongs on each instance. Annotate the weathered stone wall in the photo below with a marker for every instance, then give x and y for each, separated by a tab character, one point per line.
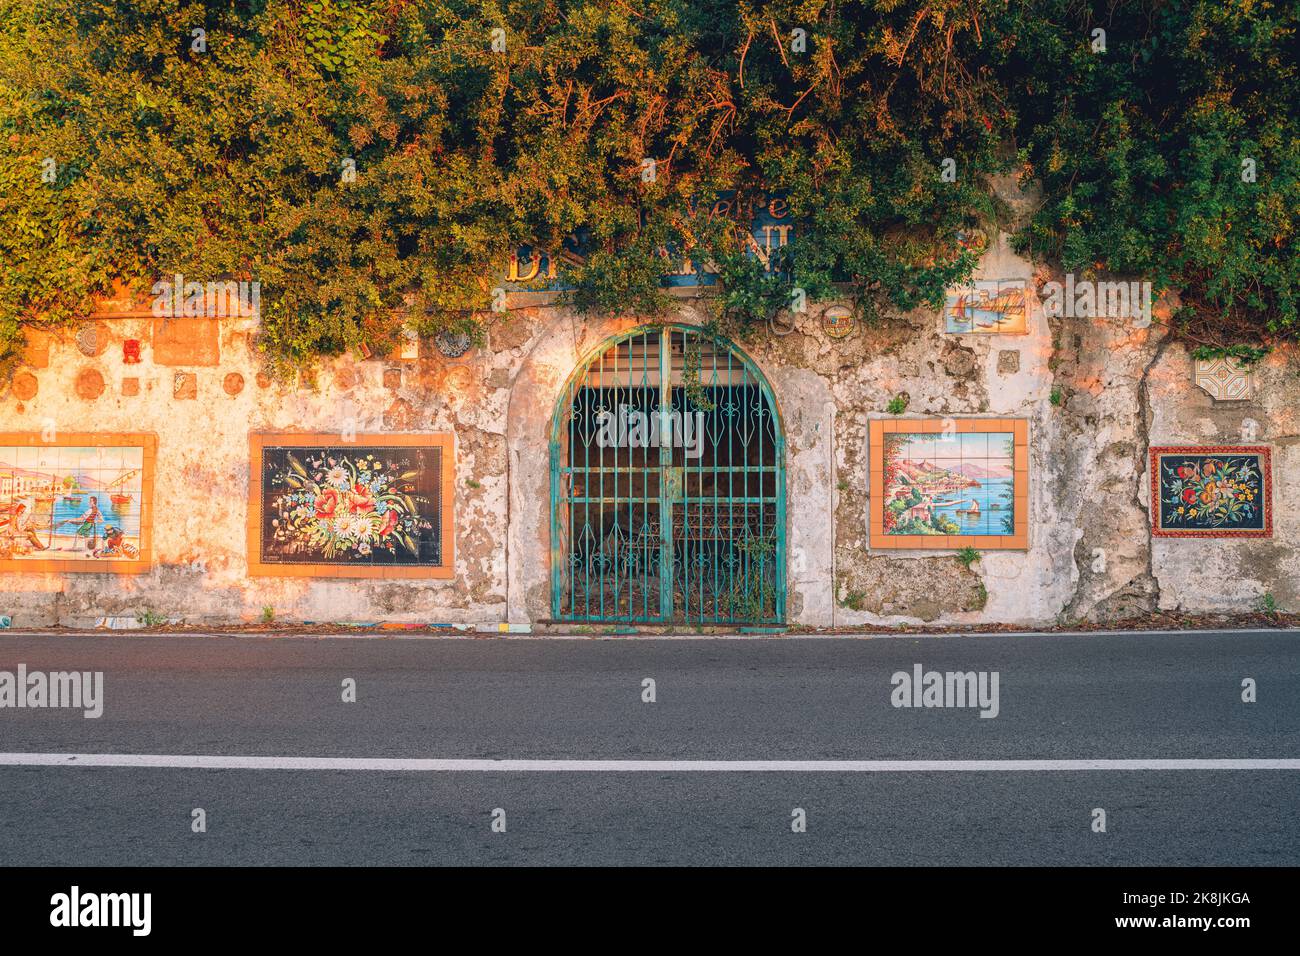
199	387
1120	388
1203	575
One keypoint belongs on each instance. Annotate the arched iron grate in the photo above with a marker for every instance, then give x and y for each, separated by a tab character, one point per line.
668	485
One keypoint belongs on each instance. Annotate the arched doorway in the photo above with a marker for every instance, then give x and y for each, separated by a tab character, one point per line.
668	485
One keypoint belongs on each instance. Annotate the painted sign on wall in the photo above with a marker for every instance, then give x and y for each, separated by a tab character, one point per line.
375	506
1216	491
769	229
76	502
950	483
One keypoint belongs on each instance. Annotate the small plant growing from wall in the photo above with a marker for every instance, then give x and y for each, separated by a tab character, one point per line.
1245	354
1268	604
150	619
897	405
268	615
968	556
1056	397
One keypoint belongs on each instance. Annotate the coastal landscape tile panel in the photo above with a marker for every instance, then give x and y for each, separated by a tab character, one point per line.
956	487
987	306
969	494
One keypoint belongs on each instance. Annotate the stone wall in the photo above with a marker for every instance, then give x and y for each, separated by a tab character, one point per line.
199	387
1119	389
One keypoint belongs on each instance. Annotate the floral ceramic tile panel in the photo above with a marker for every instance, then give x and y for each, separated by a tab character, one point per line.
1222	491
365	508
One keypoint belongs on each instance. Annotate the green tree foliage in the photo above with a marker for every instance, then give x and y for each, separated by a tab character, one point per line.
1141	150
469	141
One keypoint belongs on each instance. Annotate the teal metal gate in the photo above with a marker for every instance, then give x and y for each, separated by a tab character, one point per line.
668	485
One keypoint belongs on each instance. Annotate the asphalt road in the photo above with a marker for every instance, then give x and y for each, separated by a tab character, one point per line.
1060	697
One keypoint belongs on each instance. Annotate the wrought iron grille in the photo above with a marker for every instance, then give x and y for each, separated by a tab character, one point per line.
668	485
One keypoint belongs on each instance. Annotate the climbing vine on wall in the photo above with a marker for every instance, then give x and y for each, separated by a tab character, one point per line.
354	155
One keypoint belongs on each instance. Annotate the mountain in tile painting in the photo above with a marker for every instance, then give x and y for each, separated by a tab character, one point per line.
925	472
973	469
9	469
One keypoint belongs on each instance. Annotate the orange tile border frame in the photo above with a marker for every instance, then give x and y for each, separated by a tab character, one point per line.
877	428
148	441
1265	455
258	441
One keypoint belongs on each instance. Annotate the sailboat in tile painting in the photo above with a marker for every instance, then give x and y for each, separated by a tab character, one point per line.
118	497
1006	305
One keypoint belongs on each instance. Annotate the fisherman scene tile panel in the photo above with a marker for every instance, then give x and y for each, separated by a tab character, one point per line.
961	483
351	505
71	503
1220	491
992	306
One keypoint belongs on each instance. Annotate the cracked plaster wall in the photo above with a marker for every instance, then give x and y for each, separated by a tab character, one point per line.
1120	388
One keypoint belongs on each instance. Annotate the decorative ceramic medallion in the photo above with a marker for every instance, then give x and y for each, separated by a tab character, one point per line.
89	340
974	240
837	321
453	344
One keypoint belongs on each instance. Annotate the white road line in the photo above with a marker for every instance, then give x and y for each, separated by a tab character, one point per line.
421	765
